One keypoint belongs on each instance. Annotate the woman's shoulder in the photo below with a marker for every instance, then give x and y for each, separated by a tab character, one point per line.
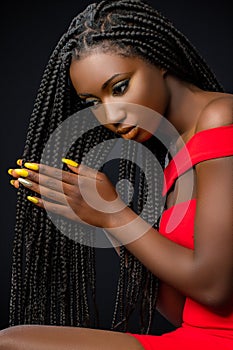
217	112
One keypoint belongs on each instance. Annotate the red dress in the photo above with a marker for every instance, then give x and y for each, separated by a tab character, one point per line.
201	327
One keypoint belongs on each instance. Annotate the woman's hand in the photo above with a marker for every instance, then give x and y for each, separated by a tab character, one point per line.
85	195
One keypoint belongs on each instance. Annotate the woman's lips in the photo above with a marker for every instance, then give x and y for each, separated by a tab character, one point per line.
124	130
128	132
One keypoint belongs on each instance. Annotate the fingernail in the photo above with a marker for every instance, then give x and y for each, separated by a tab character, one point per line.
31	166
19	162
21	172
33	199
69	162
25	182
10	171
14	183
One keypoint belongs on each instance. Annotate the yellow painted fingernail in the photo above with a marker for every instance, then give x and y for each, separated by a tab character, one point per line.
14	183
19	162
21	172
70	162
10	171
33	199
31	166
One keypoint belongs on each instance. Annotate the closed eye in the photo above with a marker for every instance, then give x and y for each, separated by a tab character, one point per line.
89	102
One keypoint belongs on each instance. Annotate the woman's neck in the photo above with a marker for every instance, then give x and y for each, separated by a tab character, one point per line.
185	105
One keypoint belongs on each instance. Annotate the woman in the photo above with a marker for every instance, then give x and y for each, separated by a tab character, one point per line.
126	52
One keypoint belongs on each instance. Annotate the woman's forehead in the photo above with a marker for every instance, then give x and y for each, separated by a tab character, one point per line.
97	68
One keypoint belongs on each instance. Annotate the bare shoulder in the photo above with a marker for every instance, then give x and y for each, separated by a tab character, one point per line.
218	112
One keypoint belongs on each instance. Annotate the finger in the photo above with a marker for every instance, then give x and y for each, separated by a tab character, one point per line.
56	173
83	170
54	194
18	172
55	208
15	183
38	170
19	162
91	173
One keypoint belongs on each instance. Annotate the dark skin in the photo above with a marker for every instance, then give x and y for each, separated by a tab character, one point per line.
204	274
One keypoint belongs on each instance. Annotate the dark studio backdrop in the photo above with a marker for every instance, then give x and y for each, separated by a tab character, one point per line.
29	32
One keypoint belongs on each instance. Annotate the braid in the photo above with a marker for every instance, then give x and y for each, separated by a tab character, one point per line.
16	278
53	276
146	29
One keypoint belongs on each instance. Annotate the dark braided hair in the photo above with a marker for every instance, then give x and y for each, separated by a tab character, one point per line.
53	276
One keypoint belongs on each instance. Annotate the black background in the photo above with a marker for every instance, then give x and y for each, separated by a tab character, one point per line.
29	32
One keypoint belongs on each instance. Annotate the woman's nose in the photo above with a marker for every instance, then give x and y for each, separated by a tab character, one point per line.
111	113
114	113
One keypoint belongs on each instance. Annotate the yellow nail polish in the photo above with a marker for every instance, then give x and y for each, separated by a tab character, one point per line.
19	162
32	166
21	172
10	171
12	182
70	162
33	199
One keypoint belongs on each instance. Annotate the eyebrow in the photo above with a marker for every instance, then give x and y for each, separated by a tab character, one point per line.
107	82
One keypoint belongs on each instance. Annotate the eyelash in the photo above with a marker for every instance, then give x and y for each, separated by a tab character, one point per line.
124	83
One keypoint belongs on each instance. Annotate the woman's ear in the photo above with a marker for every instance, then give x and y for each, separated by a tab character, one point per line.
164	72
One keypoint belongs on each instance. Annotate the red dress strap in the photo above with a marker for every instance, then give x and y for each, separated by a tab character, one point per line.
206	144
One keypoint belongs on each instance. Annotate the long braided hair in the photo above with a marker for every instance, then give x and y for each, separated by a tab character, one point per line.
53	277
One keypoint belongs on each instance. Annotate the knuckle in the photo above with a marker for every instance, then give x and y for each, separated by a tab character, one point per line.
50	183
52	195
42	168
54	208
57	173
33	176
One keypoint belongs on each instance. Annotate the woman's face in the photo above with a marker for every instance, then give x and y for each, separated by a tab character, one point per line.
114	85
